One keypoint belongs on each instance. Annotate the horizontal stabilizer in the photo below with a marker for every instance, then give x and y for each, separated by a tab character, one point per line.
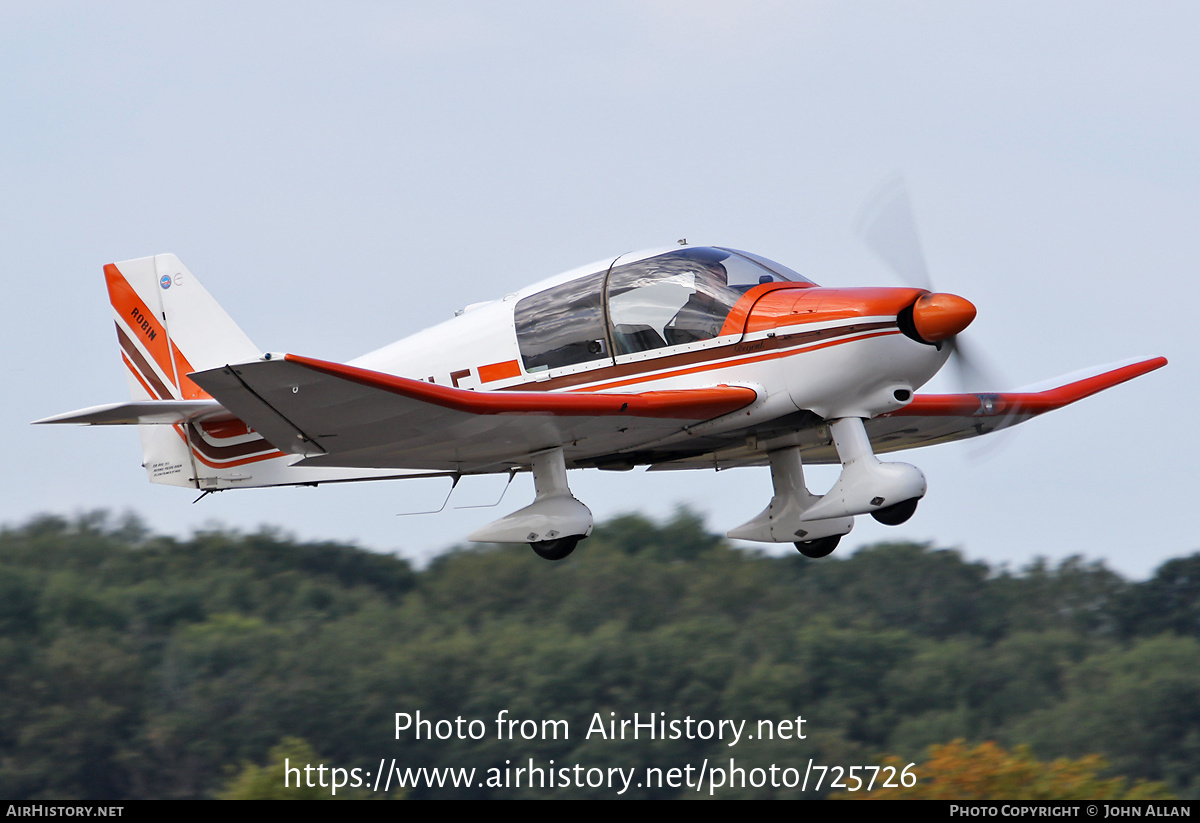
163	412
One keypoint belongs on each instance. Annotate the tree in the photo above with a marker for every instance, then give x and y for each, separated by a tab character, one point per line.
270	782
955	771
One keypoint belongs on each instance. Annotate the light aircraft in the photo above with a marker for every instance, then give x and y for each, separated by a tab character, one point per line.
684	357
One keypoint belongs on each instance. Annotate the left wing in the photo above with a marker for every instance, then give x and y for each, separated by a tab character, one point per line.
942	418
929	419
339	415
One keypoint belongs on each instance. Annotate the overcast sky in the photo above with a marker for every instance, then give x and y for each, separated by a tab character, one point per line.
342	175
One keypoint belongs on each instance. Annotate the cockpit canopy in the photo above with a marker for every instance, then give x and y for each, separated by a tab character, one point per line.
680	297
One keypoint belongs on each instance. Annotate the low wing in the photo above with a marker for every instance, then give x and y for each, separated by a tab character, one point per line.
338	415
942	418
929	419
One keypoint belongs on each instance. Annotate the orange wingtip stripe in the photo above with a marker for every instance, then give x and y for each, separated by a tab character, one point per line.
689	404
1005	403
499	371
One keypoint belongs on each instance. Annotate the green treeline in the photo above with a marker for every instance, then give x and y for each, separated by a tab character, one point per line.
135	665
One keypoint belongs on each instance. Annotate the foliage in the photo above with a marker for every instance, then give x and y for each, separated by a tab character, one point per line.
268	782
136	665
956	771
284	777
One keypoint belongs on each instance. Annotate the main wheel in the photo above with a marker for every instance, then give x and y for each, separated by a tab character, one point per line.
898	513
556	549
821	547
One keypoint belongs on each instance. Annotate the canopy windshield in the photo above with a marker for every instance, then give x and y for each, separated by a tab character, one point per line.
670	299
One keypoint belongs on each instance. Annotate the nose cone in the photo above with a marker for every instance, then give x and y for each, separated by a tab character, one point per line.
937	317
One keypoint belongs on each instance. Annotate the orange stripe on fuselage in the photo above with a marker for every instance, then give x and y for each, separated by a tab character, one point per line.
233	463
721	364
499	371
691	404
271	455
784	308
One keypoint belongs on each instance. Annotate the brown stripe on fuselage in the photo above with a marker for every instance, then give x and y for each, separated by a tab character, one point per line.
711	356
214	452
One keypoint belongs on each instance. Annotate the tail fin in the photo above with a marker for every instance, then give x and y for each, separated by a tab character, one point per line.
168	326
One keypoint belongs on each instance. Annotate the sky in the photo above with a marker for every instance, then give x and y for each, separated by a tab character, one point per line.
342	175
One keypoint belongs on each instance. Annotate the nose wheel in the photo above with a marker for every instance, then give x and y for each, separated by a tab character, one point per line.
783	520
897	514
555	549
819	548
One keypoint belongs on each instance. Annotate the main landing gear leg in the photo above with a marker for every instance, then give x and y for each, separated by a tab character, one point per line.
554	523
782	521
887	491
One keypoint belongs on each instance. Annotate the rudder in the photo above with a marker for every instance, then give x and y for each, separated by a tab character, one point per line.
168	326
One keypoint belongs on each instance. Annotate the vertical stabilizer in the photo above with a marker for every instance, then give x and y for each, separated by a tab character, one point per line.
168	326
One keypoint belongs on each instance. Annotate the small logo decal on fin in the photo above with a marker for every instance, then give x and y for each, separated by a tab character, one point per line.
165	281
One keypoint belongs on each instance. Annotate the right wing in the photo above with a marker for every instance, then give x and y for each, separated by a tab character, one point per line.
339	415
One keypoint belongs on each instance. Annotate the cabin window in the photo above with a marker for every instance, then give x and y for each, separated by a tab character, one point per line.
562	326
669	300
744	275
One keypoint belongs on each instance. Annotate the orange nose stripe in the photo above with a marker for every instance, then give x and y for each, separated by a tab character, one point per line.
939	316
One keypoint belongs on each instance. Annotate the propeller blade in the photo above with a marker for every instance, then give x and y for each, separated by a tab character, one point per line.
887	226
972	372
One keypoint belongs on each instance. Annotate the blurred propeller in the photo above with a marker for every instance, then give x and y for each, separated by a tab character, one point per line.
888	227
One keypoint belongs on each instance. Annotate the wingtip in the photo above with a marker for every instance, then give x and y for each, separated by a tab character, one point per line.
1036	399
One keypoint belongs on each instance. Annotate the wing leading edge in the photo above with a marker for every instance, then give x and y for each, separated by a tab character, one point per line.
339	415
941	418
928	420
